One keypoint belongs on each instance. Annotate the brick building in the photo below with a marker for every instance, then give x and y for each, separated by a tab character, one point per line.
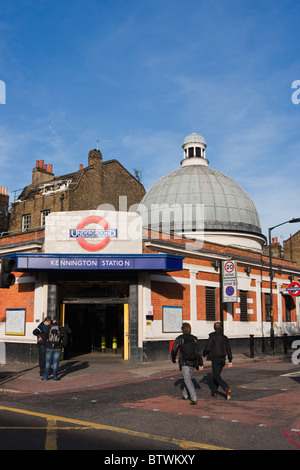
291	248
193	252
101	182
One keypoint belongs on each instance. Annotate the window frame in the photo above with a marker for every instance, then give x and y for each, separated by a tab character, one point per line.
26	222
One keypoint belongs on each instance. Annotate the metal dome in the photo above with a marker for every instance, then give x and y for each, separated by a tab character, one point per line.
227	207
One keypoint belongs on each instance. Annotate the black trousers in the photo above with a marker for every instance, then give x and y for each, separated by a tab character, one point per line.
217	367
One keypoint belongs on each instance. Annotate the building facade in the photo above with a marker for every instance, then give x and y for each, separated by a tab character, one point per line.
205	216
125	280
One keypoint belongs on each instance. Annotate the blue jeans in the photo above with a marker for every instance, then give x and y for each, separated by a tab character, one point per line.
52	356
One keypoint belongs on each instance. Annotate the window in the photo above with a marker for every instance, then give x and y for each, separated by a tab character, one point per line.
26	222
268	307
43	216
210	299
243	305
289	305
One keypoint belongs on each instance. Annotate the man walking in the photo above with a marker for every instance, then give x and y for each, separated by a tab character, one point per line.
216	350
189	359
55	340
40	333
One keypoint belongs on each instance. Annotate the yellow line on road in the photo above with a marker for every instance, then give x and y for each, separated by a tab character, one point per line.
51	441
51	431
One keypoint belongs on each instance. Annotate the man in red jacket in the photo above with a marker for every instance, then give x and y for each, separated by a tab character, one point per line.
216	350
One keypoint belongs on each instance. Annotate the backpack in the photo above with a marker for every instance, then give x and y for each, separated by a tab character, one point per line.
189	349
55	336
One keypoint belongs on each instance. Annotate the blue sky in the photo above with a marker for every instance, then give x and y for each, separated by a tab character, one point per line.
139	76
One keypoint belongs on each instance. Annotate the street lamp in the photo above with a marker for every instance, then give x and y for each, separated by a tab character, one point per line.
292	221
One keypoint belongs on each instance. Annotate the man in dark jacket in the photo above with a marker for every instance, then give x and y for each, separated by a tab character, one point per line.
189	359
55	340
216	350
40	332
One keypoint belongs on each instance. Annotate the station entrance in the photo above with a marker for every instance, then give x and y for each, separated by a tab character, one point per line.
97	316
95	327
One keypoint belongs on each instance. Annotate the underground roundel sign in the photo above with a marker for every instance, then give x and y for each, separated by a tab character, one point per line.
294	289
84	233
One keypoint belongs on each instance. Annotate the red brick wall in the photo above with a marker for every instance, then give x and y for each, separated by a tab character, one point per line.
170	294
18	296
22	237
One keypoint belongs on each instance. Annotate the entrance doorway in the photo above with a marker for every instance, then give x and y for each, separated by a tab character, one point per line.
97	312
96	327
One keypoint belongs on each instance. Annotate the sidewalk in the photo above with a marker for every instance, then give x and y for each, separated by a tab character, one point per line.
95	371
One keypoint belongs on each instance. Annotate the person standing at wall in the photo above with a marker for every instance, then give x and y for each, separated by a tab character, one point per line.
40	333
216	350
55	340
189	359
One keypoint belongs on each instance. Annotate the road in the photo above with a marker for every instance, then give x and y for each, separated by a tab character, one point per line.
148	415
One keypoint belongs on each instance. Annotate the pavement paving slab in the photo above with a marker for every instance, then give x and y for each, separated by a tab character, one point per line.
96	370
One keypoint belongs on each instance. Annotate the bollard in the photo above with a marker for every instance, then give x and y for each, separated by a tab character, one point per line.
285	343
252	346
103	343
114	344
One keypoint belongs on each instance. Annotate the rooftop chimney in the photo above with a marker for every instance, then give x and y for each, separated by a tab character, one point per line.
95	157
4	202
41	173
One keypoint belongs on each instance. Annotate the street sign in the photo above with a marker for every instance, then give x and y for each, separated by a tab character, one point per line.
229	269
230	290
229	281
294	289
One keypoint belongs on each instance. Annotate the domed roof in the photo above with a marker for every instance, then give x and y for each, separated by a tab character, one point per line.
194	138
175	198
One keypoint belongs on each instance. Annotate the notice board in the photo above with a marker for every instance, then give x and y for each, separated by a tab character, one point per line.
172	319
15	321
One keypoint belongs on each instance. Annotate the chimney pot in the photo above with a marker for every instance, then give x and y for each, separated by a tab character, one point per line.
41	163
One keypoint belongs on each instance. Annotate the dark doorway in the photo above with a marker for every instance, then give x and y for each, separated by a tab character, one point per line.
95	327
